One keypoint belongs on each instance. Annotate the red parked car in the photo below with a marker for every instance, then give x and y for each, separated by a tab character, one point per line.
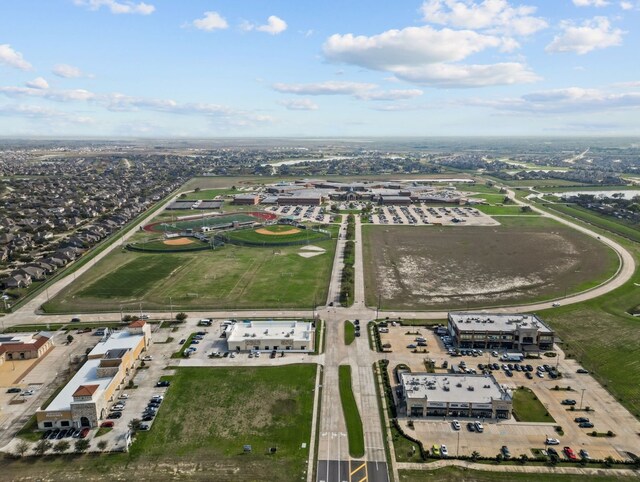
108	423
571	455
84	433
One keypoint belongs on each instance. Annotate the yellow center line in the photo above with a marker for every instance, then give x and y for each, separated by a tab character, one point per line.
364	464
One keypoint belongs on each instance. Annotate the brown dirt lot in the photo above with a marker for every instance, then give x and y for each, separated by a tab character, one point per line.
472	267
178	242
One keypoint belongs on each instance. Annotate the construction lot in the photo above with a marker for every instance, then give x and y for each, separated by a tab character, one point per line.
525	259
520	437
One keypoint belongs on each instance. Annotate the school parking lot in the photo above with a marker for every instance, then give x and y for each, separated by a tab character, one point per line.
414	215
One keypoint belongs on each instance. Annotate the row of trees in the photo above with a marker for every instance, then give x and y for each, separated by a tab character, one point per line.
348	273
61	447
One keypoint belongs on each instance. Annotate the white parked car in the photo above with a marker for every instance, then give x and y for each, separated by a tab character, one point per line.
443	451
147	358
552	441
124	396
456	425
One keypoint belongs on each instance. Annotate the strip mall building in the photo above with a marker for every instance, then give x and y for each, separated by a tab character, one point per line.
84	400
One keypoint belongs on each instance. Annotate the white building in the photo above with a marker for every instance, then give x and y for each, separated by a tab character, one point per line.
444	394
268	335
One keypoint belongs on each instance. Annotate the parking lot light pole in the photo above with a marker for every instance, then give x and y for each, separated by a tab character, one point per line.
581	397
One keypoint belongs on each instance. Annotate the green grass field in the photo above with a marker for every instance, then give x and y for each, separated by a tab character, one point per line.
456	474
197	223
528	408
160	245
508	210
351	414
605	222
349	332
231	277
208	194
251	236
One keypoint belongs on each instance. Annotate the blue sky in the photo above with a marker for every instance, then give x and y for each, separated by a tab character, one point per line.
192	68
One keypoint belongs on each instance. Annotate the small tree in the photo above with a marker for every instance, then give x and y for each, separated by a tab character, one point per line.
81	445
474	455
61	447
524	458
102	445
181	317
22	447
134	425
126	318
69	339
42	447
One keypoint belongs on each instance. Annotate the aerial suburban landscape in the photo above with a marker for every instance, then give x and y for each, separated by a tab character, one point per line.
418	268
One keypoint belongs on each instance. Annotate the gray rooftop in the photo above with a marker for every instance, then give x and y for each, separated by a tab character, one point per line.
445	387
497	322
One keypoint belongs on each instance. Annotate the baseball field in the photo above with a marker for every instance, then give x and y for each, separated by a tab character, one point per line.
525	259
226	278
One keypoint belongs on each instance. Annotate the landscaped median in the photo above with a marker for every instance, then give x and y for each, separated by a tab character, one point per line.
352	418
349	332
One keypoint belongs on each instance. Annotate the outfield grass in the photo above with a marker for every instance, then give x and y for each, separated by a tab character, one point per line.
251	236
528	408
352	418
161	246
229	277
349	332
457	474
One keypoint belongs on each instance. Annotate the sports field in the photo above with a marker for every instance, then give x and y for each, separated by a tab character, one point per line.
275	235
229	277
526	259
199	222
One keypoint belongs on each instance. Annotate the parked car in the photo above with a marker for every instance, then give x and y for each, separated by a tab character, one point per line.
443	451
456	425
552	441
569	453
585	425
123	396
505	452
84	432
552	451
479	427
147	358
568	401
471	427
584	454
163	383
435	450
75	319
114	415
582	370
144	427
411	345
580	419
147	418
14	390
107	424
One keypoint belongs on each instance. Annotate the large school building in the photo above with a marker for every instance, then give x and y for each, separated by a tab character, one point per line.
84	400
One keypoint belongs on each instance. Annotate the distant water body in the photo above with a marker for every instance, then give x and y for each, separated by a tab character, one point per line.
625	194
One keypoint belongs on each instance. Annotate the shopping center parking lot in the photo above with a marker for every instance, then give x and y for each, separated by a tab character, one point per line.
606	414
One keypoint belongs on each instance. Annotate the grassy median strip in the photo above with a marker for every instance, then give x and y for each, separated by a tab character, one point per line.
351	413
349	332
528	408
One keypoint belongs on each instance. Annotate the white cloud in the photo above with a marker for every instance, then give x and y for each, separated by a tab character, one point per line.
210	22
491	15
571	100
591	35
37	83
626	5
118	7
72	95
324	88
298	104
395	94
67	71
591	3
464	76
42	113
274	26
409	46
8	56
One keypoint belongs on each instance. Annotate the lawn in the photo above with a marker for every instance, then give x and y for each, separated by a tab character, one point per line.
528	408
251	236
352	418
525	259
349	332
456	474
509	210
605	222
208	415
229	277
208	194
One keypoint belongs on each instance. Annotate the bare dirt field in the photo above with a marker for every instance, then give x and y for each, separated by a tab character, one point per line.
520	261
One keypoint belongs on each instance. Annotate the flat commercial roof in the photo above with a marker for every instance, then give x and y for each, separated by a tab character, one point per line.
270	330
445	387
118	340
87	375
497	322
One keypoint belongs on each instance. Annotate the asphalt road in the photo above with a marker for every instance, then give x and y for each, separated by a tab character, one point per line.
351	471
